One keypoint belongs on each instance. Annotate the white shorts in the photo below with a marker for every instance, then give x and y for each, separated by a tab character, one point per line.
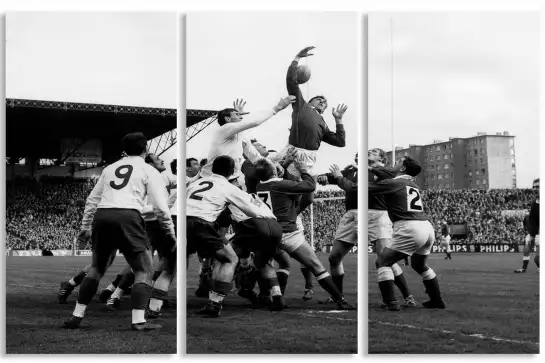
528	238
299	223
292	241
379	225
305	157
444	242
347	231
413	237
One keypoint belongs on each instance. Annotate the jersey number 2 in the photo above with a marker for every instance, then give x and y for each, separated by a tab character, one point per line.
414	200
266	198
207	186
124	173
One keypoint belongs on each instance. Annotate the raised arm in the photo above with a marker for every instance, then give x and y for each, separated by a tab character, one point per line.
158	199
291	78
339	179
337	138
256	118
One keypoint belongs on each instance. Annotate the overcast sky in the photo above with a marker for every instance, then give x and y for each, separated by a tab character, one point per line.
456	74
247	55
109	58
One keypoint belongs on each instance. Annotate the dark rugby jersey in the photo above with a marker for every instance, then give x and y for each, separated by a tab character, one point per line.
403	198
445	231
348	183
251	181
533	219
282	196
526	223
377	174
308	128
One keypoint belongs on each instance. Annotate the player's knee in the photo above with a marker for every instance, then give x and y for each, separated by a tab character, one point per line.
334	258
418	265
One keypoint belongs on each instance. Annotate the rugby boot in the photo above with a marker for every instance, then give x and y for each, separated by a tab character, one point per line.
105	295
147	326
113	304
327	301
410	302
391	306
308	295
264	300
150	314
64	291
434	304
211	308
343	305
72	323
520	270
250	295
278	303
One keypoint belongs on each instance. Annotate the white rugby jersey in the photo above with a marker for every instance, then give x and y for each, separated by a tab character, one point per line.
239	216
173	202
147	213
125	185
208	197
228	140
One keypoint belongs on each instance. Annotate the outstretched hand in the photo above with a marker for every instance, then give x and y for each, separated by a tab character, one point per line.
239	106
339	111
84	236
305	52
284	102
335	171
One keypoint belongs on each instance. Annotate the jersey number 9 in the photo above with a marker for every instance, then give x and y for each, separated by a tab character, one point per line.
124	173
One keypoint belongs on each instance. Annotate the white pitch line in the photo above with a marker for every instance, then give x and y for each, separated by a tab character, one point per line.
327	317
478	336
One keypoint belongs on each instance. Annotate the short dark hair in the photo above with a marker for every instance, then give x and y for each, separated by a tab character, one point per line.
134	143
264	170
148	158
188	162
223	114
174	166
224	165
412	167
317	96
203	162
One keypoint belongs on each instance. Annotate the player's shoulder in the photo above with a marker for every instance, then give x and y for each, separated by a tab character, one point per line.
379	173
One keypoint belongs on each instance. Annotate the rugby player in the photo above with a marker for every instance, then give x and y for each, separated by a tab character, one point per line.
444	241
206	199
346	236
379	225
114	210
308	128
282	196
531	225
413	234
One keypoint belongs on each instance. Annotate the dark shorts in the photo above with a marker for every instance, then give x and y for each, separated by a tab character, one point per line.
161	243
224	219
258	235
203	237
119	229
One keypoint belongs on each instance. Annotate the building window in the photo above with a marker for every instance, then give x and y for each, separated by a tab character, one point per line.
452	174
437	148
482	160
475	152
447	186
482	151
438	157
478	182
484	181
406	153
433	177
470	173
476	172
470	162
445	157
440	176
446	166
452	156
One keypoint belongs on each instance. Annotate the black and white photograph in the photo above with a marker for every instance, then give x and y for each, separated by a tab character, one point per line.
453	183
271	182
91	165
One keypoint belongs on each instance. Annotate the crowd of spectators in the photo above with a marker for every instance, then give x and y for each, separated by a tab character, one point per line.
47	214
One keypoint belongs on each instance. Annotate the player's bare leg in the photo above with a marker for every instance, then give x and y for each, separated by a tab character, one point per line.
222	280
528	247
419	264
89	287
109	290
161	285
114	301
305	255
283	271
399	277
68	286
338	252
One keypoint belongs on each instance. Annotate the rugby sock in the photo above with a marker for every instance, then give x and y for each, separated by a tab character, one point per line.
125	283
432	285
385	277
449	256
536	260
87	290
282	276
115	281
337	275
78	278
157	298
325	281
140	295
273	287
79	310
525	261
307	273
118	293
399	280
219	290
111	287
264	285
